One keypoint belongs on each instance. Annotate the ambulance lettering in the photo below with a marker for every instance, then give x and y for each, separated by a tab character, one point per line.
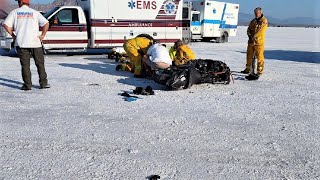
230	16
139	4
140	25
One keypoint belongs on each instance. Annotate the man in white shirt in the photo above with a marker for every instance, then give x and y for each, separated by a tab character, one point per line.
23	25
158	57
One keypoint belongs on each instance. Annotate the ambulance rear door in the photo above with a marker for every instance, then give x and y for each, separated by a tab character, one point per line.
230	19
213	18
196	25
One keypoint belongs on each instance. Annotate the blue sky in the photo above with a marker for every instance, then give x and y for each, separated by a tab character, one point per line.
276	8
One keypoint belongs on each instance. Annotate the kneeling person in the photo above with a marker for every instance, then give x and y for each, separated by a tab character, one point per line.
182	53
158	57
136	48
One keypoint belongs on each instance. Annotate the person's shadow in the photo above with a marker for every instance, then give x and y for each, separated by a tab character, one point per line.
12	83
238	76
294	56
108	67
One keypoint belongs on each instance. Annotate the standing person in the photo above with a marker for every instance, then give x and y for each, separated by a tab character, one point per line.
256	33
158	57
23	25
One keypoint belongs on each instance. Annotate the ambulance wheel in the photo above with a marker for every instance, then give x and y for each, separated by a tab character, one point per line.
225	37
45	51
9	52
15	51
117	57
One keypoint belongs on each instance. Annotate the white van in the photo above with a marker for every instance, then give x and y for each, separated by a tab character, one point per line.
214	20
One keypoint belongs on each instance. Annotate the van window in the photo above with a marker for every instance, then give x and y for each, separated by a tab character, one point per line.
67	16
196	17
185	13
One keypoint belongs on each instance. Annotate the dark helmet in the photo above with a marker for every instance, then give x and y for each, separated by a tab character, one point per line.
177	44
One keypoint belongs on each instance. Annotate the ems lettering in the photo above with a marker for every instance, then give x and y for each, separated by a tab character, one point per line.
139	5
154	5
143	4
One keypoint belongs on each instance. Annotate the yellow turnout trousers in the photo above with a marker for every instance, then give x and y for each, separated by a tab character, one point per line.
258	52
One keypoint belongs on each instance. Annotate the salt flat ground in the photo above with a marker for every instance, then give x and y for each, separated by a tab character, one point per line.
82	129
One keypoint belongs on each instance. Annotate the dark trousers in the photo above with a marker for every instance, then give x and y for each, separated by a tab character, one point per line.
37	54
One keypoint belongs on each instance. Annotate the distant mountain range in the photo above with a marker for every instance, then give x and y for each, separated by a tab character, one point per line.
64	2
244	18
43	7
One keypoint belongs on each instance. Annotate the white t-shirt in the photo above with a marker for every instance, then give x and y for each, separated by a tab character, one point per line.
158	53
25	23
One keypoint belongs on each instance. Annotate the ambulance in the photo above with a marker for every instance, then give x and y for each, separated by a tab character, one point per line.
109	23
213	20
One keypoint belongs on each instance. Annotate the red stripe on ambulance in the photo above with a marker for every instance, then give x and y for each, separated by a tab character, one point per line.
155	23
65	41
105	41
119	41
67	28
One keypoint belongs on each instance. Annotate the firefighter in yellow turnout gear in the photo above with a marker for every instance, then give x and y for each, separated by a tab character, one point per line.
172	53
183	53
136	48
256	33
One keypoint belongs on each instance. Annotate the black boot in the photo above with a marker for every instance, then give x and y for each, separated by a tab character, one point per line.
149	90
252	77
25	88
47	86
246	71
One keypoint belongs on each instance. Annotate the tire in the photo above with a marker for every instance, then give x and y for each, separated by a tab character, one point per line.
226	37
223	39
45	52
10	53
117	57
